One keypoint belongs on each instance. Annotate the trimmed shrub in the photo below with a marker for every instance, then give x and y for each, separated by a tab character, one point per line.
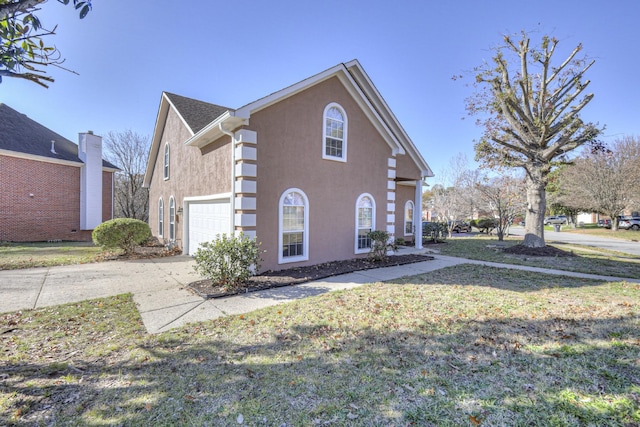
380	244
486	224
435	232
229	260
123	233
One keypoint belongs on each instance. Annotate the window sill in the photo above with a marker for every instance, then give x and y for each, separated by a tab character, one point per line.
335	159
289	260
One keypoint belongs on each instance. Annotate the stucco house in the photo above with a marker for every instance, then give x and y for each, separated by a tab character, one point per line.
308	170
50	188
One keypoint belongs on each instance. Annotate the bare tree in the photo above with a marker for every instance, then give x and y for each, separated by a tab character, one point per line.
531	116
604	181
454	198
504	196
128	150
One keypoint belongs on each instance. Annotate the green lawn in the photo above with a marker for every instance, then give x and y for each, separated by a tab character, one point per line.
28	255
462	346
586	260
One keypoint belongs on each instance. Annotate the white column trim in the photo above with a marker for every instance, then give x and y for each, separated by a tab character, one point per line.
417	215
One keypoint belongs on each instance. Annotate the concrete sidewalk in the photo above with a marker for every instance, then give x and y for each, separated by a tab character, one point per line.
159	287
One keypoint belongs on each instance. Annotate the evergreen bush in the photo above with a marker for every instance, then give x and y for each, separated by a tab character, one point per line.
123	233
229	260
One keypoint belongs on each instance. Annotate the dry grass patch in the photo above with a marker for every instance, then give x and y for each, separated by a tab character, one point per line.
470	345
28	255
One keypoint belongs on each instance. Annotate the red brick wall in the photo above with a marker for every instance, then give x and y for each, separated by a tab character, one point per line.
53	212
107	196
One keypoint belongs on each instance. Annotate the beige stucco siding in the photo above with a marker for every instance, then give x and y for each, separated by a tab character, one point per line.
194	172
290	156
407	168
404	193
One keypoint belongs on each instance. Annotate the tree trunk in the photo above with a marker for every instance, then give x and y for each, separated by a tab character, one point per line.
536	208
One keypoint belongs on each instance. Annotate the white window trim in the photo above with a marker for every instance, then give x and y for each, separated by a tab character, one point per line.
160	217
166	162
172	219
404	225
305	242
373	222
344	135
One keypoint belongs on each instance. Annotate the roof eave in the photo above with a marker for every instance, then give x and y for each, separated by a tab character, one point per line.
158	130
357	73
213	131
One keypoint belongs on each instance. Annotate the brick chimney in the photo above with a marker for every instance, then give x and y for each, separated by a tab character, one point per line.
90	152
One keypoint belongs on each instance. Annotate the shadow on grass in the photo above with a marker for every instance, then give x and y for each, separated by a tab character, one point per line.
498	371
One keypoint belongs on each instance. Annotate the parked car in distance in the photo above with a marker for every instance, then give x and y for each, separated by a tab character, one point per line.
604	223
460	226
629	224
621	218
556	219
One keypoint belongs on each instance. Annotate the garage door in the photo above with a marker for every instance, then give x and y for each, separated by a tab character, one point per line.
206	220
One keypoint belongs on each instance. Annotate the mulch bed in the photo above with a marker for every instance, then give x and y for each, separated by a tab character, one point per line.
549	251
297	275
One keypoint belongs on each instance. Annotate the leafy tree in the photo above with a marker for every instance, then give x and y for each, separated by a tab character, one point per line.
530	112
23	53
605	181
128	150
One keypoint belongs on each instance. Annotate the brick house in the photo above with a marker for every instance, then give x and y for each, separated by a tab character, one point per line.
308	170
49	189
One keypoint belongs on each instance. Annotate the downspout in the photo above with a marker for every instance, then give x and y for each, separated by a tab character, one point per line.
232	200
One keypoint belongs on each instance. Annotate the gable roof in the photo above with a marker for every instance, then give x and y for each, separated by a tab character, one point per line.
20	134
196	113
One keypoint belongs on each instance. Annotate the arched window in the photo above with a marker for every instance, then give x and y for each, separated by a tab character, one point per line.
334	137
294	226
172	219
408	218
160	217
166	161
365	222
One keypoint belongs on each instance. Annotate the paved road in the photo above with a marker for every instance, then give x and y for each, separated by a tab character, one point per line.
587	240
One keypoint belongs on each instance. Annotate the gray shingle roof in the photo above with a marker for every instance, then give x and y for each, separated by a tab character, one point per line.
197	114
21	134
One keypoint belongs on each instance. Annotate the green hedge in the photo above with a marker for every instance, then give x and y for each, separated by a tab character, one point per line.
123	233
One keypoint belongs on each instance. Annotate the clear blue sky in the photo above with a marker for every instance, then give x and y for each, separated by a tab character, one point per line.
234	52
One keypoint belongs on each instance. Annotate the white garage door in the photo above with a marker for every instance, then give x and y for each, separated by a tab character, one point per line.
206	220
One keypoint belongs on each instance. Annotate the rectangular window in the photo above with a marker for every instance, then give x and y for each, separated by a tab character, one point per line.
293	231
333	147
172	221
292	244
166	161
364	241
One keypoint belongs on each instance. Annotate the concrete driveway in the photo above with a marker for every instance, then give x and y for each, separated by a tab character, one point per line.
159	287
